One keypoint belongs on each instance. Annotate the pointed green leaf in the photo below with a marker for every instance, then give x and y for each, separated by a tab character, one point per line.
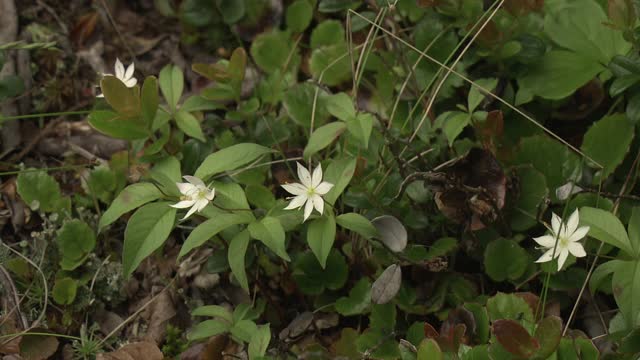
230	158
323	137
129	198
237	251
606	227
320	236
209	229
146	231
189	124
270	232
171	85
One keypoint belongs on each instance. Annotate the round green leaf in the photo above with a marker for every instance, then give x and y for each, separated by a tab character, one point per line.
270	51
75	241
299	15
64	291
505	259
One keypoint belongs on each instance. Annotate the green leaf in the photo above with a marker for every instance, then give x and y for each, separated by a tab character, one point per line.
330	6
299	15
323	137
358	300
509	306
548	334
146	231
551	158
312	279
476	96
129	198
429	350
243	330
339	173
75	241
213	311
607	228
236	254
626	291
321	234
391	232
123	100
494	260
559	74
581	26
601	273
64	291
609	154
207	329
357	223
260	196
237	67
452	123
39	188
360	127
634	229
149	100
270	232
171	85
270	51
298	101
209	229
189	124
117	126
327	33
340	105
230	158
331	64
165	174
260	339
231	10
533	191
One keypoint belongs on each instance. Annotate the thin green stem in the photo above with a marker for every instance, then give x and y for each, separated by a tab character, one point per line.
37	116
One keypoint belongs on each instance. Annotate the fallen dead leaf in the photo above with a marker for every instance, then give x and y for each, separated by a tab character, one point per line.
135	351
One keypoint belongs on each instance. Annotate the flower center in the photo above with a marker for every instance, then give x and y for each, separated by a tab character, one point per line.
201	194
563	242
311	191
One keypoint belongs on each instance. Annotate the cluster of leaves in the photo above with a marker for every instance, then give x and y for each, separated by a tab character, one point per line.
439	182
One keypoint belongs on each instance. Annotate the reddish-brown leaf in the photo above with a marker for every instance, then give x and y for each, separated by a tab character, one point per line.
515	338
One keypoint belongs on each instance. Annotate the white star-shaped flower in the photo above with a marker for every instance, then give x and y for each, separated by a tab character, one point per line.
568	239
195	194
310	191
126	76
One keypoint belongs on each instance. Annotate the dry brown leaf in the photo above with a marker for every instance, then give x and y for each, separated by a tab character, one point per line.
135	351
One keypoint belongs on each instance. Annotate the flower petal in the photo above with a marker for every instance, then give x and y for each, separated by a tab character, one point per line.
201	204
576	249
572	223
119	69
304	176
316	178
556	221
547	256
308	208
323	188
190	212
211	194
547	241
295	188
296	202
185	188
130	82
129	72
194	180
100	95
318	203
579	233
183	204
562	258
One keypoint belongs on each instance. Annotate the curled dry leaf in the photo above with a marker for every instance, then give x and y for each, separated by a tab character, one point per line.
470	190
391	231
387	285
